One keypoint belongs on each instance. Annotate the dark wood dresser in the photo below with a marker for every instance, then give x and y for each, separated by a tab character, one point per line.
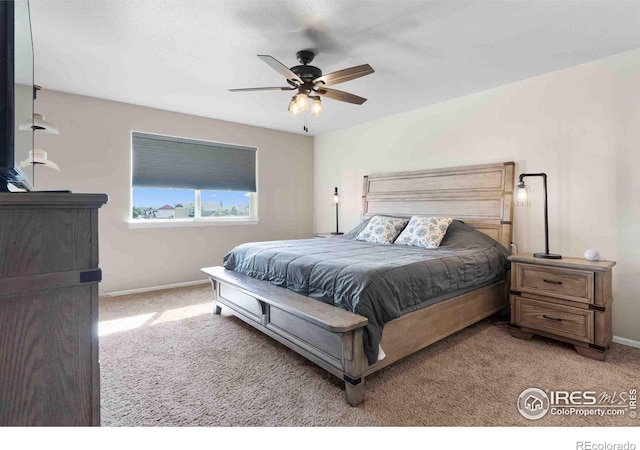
49	275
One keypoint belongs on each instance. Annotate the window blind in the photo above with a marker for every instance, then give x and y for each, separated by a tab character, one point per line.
170	162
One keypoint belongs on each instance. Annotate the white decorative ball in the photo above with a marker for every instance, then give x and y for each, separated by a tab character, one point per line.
592	255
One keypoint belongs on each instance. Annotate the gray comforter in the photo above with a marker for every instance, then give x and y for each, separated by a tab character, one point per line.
380	282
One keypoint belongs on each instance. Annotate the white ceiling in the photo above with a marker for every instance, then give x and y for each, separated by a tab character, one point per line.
183	56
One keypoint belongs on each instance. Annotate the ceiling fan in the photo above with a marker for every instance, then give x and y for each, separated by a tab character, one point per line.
311	83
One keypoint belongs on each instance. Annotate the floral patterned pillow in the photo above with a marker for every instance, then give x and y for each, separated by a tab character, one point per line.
425	232
382	230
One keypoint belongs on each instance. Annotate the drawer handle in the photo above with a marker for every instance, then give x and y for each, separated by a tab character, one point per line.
551	318
551	281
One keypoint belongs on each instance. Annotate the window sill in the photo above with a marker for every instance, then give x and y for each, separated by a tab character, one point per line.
173	223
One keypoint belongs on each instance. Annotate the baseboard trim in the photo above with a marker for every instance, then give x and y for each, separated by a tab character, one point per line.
616	339
154	288
625	341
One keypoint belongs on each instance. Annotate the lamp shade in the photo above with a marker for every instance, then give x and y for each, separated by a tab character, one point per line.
316	106
302	100
39	124
522	195
38	156
294	110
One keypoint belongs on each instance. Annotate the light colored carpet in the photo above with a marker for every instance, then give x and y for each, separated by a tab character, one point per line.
167	361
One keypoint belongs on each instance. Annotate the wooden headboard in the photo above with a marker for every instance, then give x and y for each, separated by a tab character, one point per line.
480	195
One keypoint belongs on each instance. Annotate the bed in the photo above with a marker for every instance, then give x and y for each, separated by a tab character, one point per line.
341	326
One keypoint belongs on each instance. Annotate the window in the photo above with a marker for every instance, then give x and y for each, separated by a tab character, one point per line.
177	180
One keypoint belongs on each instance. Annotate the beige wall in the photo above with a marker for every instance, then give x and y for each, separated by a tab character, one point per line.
93	150
580	125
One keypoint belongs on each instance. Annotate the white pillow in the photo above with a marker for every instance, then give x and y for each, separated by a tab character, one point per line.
382	230
424	231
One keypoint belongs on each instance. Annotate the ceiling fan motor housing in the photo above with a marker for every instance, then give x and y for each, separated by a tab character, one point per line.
306	72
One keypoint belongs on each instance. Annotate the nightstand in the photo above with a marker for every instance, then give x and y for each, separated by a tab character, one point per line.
327	235
568	299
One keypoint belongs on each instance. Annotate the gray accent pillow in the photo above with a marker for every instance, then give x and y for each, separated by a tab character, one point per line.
382	230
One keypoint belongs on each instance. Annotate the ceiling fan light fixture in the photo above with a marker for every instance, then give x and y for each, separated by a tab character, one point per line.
316	107
302	101
293	107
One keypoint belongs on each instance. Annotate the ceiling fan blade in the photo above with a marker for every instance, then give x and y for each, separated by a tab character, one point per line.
281	68
345	75
340	95
263	89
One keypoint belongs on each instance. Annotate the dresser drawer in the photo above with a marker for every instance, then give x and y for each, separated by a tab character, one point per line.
573	323
569	284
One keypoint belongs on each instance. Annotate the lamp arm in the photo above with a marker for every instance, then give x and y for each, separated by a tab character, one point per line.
522	175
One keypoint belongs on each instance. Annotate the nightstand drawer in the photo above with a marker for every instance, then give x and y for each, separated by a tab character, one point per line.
569	284
573	323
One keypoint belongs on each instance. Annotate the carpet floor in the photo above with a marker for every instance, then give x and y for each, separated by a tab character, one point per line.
167	361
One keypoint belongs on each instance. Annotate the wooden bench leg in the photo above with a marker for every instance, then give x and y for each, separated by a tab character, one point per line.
355	391
217	309
355	361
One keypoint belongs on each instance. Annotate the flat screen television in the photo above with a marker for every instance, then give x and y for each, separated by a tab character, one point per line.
16	95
